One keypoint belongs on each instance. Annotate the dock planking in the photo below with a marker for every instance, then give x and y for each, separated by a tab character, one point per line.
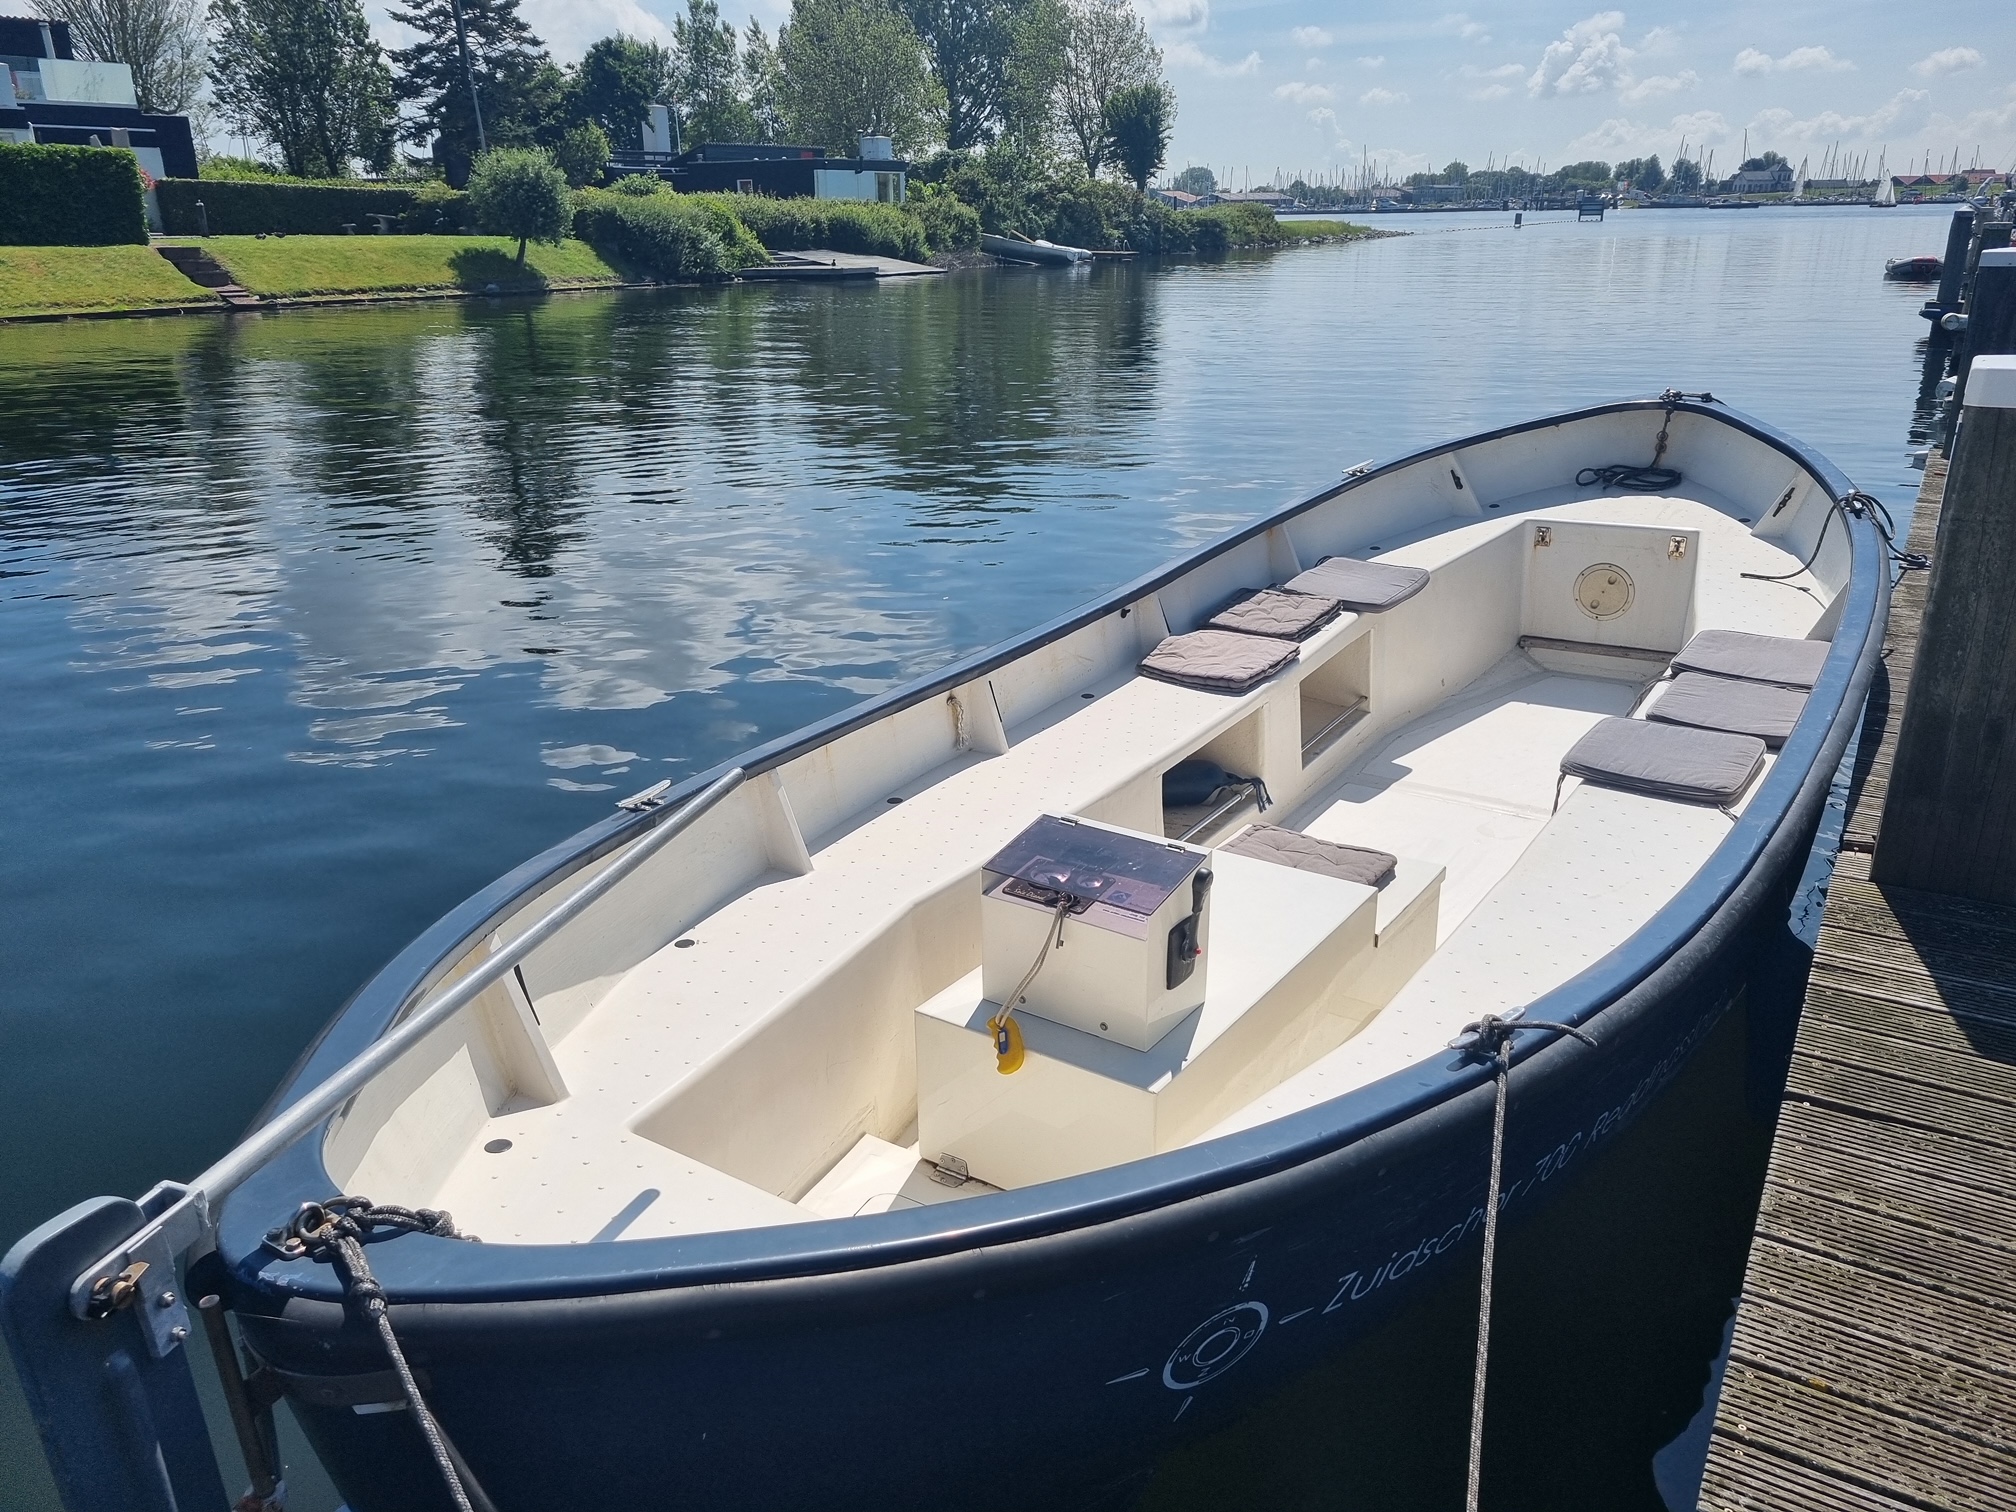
1873	1364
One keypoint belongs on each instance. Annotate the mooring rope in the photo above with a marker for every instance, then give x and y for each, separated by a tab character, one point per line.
334	1231
1492	1036
1858	504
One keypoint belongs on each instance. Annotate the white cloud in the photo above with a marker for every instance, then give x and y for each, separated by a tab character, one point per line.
1660	84
1311	36
1314	64
568	26
1620	136
1376	60
1464	27
1491	91
1945	61
1800	59
1502	71
1588	56
1382	97
1183	18
1904	109
1185	54
1658	41
1301	93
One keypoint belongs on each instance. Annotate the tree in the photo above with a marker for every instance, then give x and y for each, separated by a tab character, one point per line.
970	42
583	154
1456	173
762	83
1685	177
1650	175
1106	49
521	192
855	68
617	81
306	76
709	76
1767	160
1139	119
1197	181
160	40
1032	75
519	88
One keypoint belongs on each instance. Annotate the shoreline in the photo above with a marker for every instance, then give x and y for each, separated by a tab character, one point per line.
956	262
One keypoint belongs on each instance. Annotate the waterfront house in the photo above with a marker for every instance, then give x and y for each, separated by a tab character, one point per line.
1776	179
780	169
1177	199
50	96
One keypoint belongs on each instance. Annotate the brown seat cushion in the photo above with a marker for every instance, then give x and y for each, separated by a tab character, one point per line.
1781	659
1362	587
1219	661
1349	863
1666	761
1727	703
1279	612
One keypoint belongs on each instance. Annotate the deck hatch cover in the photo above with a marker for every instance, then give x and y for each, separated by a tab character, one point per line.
1128	872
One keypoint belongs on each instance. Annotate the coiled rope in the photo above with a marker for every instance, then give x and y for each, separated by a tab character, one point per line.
334	1231
1492	1036
1651	478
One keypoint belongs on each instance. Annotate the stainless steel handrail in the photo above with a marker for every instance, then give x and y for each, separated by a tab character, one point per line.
182	1210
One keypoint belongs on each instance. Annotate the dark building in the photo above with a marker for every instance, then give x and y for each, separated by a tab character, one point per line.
50	96
775	168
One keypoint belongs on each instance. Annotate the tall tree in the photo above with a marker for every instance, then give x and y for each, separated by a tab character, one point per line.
970	42
516	82
160	40
1031	76
1106	49
710	77
306	76
618	79
763	83
1139	119
853	68
1198	181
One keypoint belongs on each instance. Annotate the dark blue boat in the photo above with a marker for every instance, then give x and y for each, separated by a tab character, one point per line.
764	1222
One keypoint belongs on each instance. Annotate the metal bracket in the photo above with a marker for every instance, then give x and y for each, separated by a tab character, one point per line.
142	1274
650	798
1676	547
1543	535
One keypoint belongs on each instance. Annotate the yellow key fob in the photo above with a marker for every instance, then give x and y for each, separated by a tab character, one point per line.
1007	1044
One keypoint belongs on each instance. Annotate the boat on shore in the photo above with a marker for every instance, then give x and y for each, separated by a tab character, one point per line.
1023	249
1071	1045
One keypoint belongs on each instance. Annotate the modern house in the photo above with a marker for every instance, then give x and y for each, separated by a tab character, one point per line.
1179	199
774	168
50	96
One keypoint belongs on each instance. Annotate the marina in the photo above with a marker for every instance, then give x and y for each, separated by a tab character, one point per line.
1011	613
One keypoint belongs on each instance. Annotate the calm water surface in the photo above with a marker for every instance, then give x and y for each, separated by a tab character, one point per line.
313	623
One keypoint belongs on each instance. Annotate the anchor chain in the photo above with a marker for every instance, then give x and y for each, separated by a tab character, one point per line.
1492	1036
334	1231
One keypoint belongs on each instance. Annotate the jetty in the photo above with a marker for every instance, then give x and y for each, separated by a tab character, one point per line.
1873	1361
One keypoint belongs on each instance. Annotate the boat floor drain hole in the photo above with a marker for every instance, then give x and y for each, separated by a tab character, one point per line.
497	1147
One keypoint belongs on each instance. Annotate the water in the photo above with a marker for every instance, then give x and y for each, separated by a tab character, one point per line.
310	624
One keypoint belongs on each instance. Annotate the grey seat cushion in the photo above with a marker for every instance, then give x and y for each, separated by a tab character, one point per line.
1219	661
1666	761
1279	612
1362	587
1777	659
1349	863
1727	703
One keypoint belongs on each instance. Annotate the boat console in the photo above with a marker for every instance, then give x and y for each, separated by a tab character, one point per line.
1127	1045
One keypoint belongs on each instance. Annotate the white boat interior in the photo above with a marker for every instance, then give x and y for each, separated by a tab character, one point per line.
783	1017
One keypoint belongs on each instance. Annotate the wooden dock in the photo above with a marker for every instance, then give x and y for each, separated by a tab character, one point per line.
1873	1365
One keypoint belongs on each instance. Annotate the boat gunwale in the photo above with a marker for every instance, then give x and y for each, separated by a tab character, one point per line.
443	1272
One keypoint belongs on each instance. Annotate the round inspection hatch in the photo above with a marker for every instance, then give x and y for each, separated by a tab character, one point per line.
1603	591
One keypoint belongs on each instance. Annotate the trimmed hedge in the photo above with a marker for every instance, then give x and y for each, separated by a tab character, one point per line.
664	236
800	225
70	197
950	224
248	207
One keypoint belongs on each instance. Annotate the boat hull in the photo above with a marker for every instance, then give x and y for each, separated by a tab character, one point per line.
1045	1343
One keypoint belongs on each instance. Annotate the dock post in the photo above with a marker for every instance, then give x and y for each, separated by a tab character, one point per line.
1991	312
1959	236
1949	819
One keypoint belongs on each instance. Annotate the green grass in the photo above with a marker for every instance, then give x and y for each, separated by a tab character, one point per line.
293	267
1324	230
79	280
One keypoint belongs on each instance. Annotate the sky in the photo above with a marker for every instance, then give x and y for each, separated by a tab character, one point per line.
1309	87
